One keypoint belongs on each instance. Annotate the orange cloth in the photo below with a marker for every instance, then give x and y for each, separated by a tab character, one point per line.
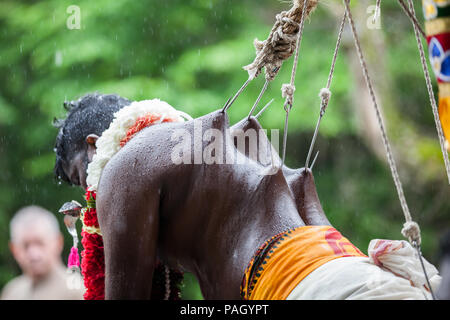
286	259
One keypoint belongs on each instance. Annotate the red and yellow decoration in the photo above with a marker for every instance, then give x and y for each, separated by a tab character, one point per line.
93	259
437	29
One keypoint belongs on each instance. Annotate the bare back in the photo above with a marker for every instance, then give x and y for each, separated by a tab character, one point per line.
204	218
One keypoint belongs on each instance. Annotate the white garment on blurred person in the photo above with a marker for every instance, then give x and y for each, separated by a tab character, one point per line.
52	287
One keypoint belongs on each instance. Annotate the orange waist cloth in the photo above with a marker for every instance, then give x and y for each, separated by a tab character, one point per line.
284	260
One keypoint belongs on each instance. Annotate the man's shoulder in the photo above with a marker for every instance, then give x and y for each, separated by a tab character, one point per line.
147	156
14	287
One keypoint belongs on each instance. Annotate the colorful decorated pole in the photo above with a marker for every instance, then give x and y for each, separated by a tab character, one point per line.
437	29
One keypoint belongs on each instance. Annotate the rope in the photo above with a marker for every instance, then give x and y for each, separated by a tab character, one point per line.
410	229
278	47
287	90
430	90
266	84
412	16
281	42
377	10
325	93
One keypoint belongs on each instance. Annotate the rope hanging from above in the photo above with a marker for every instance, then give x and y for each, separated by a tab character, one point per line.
434	107
410	228
288	89
279	46
325	93
281	42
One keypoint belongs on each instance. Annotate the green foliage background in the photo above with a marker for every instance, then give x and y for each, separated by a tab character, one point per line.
190	53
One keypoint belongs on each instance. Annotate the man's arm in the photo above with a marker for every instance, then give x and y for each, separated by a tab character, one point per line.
128	215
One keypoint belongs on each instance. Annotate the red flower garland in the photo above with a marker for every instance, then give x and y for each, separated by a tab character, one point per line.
93	256
141	123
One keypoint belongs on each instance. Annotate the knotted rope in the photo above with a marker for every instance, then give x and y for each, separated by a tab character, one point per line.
279	46
281	42
325	93
287	90
390	158
410	228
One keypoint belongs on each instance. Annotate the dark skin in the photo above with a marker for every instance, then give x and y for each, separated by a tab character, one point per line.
300	181
205	219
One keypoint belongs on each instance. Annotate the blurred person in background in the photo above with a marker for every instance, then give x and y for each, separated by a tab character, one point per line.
36	244
444	289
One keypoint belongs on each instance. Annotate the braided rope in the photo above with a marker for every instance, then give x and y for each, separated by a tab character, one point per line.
287	90
410	229
278	47
325	93
430	89
412	17
281	42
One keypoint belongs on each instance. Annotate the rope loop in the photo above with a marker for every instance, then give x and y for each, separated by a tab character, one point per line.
324	95
287	91
411	231
281	42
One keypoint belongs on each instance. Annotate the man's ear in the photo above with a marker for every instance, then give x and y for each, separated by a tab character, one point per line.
13	249
91	140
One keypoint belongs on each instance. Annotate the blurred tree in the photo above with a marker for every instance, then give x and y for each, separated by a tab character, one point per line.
190	53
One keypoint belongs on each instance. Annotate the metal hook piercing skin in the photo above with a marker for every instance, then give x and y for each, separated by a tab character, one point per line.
264	88
285	131
313	141
227	105
314	161
264	108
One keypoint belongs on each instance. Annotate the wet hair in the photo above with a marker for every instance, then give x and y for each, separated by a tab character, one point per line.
92	113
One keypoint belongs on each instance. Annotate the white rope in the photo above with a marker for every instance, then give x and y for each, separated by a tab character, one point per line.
377	10
430	89
325	93
410	229
287	90
278	47
281	42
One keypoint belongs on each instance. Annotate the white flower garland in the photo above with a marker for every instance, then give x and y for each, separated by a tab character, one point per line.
109	142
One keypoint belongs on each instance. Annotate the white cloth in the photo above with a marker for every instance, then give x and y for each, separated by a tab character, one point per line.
361	279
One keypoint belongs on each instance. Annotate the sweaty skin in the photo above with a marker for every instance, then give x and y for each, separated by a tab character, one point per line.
205	219
300	181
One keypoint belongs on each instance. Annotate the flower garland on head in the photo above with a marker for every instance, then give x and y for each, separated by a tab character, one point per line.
126	124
